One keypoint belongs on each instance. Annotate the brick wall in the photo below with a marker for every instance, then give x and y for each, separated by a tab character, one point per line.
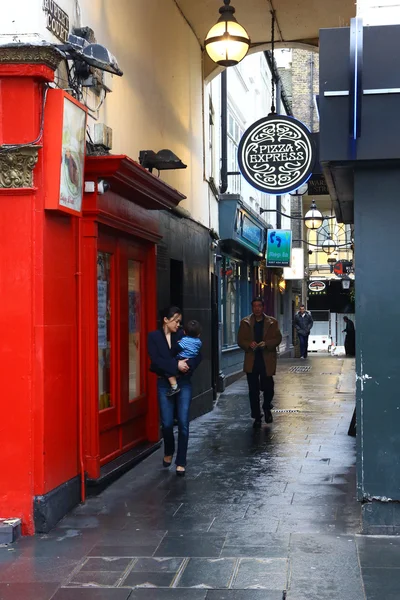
305	66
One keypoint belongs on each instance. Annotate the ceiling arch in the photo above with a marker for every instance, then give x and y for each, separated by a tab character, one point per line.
298	21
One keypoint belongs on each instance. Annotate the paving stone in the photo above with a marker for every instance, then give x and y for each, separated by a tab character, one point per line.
262	573
207	573
381	584
25	570
148	579
209	545
244	595
96	578
27	591
91	594
165	594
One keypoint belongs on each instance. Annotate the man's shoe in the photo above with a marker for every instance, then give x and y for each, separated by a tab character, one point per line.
257	424
302	357
268	416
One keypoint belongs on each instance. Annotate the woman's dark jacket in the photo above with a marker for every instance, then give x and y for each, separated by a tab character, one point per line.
163	358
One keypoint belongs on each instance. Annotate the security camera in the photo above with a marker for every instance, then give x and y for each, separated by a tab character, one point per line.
103	186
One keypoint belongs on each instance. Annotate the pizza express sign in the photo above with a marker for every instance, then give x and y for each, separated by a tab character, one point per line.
276	154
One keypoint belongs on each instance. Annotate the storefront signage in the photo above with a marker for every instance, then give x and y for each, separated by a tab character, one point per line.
343	267
57	20
276	154
296	270
317	286
251	231
64	151
279	248
317	186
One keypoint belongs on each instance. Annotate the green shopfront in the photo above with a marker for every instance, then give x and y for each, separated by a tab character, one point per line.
242	275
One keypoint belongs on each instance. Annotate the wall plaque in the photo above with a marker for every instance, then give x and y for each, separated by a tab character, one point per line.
276	154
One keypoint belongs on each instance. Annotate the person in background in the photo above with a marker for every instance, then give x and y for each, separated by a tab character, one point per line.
259	337
303	323
189	346
350	339
163	350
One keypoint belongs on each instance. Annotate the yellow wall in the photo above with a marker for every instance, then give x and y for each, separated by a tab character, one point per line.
158	102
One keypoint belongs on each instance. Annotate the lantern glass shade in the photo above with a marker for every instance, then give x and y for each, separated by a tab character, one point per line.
313	218
329	246
282	285
227	43
346	284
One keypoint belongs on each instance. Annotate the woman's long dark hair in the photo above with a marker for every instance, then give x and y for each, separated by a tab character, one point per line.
168	313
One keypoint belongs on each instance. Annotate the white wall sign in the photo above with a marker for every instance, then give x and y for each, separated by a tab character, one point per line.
57	20
276	154
296	270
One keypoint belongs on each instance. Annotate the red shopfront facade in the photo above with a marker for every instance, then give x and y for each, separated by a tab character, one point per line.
118	234
78	295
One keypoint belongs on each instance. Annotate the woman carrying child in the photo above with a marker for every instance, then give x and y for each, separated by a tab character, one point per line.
174	353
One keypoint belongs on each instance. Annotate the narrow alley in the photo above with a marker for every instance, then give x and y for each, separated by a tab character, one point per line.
262	514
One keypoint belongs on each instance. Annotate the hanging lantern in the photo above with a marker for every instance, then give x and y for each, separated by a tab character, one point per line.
227	42
313	218
329	245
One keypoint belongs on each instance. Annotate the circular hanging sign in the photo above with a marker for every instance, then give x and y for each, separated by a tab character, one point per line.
276	154
317	286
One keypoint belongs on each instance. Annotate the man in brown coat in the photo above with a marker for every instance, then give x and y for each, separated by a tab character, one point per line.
259	337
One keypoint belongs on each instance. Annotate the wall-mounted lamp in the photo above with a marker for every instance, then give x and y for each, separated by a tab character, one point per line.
227	42
346	282
282	285
162	160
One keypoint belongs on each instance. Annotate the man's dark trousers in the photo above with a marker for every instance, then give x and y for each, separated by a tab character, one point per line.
258	381
303	344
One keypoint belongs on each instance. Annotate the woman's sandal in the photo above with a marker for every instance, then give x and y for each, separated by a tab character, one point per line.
166	463
181	472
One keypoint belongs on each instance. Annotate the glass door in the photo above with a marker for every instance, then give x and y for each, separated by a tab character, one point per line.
106	329
133	331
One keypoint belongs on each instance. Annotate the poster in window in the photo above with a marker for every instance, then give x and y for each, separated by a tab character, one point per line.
102	314
134	311
72	156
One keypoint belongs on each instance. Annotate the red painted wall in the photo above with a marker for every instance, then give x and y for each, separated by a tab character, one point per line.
60	432
16	432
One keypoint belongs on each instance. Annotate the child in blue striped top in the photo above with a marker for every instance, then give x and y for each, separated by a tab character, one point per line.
188	347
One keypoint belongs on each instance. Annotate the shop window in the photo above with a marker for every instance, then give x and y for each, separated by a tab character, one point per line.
231	301
235	132
134	320
104	266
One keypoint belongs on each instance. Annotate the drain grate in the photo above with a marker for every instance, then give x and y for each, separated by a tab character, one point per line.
299	369
286	410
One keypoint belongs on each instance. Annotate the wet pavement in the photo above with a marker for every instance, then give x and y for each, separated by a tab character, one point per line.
263	514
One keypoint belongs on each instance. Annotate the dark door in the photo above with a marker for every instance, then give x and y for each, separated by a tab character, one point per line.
176	283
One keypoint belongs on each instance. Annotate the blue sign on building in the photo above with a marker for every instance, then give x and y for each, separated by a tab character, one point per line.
279	248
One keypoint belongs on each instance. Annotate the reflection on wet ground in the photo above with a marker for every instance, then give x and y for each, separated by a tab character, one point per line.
261	514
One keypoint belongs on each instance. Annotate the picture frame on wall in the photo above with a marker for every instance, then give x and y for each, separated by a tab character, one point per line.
64	151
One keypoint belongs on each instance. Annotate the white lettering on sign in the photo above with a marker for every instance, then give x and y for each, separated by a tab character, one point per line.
57	21
276	154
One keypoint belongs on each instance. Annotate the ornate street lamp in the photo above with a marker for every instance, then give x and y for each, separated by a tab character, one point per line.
227	42
313	218
329	245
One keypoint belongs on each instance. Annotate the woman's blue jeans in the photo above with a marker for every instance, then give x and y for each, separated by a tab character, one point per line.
167	405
